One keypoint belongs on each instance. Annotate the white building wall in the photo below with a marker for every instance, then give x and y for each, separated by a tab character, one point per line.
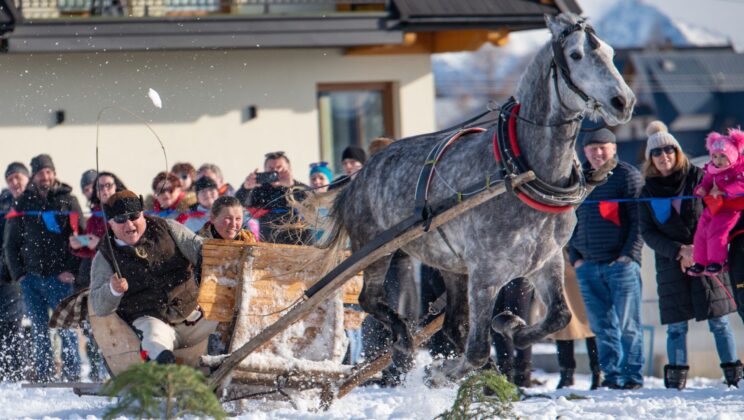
204	96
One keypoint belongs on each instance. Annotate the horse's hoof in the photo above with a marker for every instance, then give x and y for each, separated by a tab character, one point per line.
434	376
506	323
446	372
402	359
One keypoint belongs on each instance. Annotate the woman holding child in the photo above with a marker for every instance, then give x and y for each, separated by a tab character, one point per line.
668	226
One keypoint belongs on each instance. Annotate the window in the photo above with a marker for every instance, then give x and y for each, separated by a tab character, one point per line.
353	114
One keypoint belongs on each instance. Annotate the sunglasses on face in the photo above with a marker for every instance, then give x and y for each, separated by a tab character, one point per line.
319	165
106	186
168	190
122	218
666	150
184	176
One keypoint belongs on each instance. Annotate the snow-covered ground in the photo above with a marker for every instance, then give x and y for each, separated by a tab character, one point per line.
704	399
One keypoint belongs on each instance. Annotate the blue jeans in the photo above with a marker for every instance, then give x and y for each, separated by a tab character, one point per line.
40	294
612	296
724	337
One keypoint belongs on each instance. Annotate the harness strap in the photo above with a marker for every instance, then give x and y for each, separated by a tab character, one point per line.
537	194
426	175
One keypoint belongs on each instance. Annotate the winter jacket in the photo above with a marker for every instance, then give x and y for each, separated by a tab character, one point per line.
209	232
729	180
6	202
179	210
31	245
682	297
606	231
164	258
10	291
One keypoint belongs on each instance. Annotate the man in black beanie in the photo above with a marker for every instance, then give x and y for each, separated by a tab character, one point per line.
38	256
352	159
11	307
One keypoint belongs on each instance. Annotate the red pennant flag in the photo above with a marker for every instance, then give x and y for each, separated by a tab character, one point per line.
13	213
610	210
74	219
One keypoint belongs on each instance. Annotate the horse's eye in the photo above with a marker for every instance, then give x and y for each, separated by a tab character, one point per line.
576	56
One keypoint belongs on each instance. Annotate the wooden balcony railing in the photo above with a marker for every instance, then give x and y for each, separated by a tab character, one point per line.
51	9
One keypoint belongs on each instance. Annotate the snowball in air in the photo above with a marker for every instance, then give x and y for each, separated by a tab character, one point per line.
155	98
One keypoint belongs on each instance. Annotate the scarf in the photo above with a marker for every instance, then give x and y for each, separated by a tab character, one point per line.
671	185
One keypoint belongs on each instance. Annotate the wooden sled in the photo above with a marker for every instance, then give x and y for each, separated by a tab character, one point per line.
247	287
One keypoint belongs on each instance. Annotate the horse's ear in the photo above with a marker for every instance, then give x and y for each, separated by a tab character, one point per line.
553	25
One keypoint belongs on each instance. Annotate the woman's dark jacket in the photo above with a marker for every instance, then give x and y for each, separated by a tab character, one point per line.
681	297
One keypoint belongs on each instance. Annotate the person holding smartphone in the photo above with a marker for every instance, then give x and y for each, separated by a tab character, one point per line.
264	194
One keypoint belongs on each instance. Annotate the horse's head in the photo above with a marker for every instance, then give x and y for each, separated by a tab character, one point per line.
587	80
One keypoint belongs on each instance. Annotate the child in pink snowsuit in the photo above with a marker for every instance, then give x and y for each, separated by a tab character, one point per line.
724	173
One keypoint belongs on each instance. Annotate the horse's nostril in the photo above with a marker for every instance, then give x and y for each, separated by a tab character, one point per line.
618	102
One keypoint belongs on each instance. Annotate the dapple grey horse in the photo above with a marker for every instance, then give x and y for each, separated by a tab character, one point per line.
504	238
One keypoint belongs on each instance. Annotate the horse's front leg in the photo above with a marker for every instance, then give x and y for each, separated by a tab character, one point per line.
482	292
549	285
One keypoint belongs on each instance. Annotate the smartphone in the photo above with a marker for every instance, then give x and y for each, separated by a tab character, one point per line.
83	239
263	178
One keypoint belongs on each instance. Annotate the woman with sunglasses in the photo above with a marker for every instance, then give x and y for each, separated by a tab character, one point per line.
171	201
668	226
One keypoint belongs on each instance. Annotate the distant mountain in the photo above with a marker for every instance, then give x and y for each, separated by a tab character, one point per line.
635	24
465	81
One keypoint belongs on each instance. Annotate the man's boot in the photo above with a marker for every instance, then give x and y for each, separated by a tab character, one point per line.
596	379
732	372
675	376
166	357
523	374
567	378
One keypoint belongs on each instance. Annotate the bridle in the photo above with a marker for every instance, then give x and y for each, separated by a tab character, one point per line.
559	63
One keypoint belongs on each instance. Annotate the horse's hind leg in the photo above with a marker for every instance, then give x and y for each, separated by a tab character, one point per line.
549	285
373	300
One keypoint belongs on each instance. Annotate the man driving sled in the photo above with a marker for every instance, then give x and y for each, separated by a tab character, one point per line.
156	292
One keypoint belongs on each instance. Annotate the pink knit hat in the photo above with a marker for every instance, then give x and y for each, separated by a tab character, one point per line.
730	145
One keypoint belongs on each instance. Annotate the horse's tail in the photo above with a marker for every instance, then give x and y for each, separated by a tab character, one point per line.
318	212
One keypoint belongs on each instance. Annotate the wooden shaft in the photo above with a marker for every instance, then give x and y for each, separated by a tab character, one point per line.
303	308
369	369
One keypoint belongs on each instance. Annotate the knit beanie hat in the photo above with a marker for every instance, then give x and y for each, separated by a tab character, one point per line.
123	202
322	168
88	178
16	167
730	145
659	136
204	183
40	162
600	136
354	152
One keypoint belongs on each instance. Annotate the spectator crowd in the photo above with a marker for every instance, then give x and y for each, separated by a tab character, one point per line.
688	216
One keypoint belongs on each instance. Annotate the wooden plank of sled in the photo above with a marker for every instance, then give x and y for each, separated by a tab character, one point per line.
120	346
368	369
118	343
303	308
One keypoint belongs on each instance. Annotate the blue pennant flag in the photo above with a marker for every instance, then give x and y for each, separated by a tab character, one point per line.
51	222
662	209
